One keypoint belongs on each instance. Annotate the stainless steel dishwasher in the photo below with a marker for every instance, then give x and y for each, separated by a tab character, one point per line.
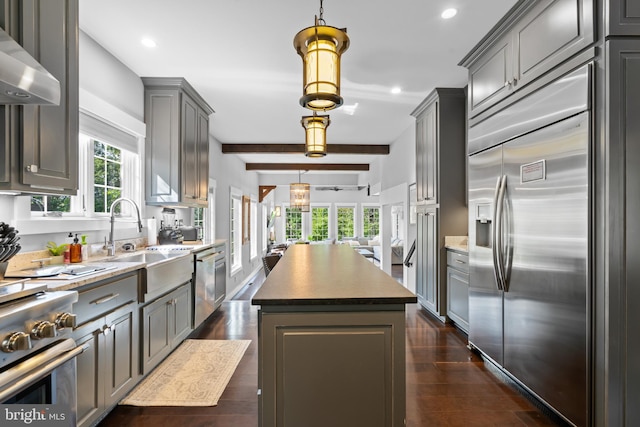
209	283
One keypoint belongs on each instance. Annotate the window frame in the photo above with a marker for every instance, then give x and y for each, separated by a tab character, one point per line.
235	230
326	206
364	206
351	206
286	208
253	216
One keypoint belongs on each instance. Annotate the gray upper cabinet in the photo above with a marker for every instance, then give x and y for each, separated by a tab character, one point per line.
440	140
531	40
623	18
177	144
40	143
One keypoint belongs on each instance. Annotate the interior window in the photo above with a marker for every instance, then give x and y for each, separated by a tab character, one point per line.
293	219
345	221
370	221
319	223
107	176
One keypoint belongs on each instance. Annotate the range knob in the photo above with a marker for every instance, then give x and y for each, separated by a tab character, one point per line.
43	329
65	320
15	341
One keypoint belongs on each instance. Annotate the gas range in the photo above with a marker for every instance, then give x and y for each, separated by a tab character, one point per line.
32	318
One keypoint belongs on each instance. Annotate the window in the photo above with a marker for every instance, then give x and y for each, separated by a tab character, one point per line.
51	205
235	230
107	176
265	233
370	221
110	171
345	221
198	221
254	229
293	229
319	223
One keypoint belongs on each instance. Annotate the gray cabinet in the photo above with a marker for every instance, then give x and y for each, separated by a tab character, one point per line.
623	18
440	149
441	183
166	322
458	288
427	273
177	143
533	39
109	332
39	146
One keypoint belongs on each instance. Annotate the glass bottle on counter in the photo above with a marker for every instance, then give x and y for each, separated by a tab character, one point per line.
76	250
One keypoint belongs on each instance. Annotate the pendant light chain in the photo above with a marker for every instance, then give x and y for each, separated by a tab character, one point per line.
321	19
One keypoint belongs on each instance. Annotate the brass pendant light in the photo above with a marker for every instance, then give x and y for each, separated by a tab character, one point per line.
299	195
320	47
315	135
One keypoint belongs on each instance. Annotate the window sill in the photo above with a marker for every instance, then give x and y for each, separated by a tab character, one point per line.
235	270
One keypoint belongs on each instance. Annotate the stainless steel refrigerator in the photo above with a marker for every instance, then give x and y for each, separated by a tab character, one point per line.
529	215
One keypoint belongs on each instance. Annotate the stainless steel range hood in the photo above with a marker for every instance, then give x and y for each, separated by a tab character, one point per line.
22	79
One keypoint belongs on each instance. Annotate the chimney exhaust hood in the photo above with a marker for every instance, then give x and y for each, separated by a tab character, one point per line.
22	79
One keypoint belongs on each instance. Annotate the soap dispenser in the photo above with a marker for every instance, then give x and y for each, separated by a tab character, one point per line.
76	250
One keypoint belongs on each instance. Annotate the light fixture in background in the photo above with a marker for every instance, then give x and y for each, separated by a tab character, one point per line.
299	195
449	13
315	141
320	47
277	211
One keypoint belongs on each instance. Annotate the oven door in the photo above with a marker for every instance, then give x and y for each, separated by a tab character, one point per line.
46	378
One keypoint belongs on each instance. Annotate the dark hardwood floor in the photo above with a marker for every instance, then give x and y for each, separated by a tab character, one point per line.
447	385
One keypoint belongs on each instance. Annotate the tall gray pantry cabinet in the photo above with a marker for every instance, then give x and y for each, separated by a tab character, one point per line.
605	35
39	144
440	185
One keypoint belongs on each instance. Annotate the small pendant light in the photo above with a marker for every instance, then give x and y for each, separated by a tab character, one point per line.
320	47
315	135
299	195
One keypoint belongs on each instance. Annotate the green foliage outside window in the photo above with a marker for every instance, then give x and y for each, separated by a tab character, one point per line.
107	176
293	228
51	204
319	224
345	222
371	222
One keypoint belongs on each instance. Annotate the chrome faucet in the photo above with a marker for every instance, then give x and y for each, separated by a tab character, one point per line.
111	245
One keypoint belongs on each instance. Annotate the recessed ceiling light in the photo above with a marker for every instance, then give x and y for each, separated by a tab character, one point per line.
396	90
449	13
148	42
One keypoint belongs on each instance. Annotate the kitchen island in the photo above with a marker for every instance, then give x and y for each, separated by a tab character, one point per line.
331	341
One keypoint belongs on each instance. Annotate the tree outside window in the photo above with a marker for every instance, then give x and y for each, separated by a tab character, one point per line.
198	221
293	221
107	176
345	222
370	221
51	204
319	224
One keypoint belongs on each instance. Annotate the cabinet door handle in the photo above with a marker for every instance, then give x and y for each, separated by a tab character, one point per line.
105	299
460	262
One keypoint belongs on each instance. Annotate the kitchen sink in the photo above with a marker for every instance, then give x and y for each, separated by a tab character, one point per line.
147	257
163	271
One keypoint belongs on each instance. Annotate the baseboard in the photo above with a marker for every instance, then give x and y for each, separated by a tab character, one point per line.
239	287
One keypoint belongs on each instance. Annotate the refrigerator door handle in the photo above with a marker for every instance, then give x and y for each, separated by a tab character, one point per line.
500	233
494	235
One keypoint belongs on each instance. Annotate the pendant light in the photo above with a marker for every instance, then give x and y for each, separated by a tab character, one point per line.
299	195
315	135
320	47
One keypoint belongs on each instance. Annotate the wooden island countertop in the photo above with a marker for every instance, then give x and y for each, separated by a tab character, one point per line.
328	275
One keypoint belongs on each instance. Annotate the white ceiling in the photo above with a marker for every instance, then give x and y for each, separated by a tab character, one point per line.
239	55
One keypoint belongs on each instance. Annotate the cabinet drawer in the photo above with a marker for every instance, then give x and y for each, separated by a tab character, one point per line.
458	261
97	301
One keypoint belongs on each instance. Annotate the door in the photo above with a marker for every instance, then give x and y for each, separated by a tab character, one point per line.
485	295
546	237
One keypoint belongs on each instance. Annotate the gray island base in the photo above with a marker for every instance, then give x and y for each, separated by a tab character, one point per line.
331	341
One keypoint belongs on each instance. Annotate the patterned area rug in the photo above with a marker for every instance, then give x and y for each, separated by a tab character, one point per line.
195	374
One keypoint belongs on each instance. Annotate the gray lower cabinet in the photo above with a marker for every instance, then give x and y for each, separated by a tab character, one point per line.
534	38
166	322
109	333
39	147
427	275
458	288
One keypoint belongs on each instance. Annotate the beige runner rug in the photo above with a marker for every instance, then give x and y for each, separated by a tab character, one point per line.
195	374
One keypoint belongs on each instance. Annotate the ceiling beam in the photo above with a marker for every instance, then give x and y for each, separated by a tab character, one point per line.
299	148
308	166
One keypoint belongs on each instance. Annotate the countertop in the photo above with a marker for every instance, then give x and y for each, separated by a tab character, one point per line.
456	243
112	269
329	275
